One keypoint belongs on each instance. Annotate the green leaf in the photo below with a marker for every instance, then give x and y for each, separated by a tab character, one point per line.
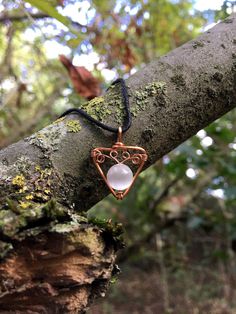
51	11
74	42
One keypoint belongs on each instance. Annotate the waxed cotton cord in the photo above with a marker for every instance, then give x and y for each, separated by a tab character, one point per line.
127	118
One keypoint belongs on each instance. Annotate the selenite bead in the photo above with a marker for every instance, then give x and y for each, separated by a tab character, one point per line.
119	177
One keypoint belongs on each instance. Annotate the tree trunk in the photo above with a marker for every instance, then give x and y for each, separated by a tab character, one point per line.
55	260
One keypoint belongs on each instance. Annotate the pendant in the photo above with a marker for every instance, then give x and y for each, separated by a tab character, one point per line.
119	176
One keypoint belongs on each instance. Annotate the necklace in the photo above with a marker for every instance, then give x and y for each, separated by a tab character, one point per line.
113	160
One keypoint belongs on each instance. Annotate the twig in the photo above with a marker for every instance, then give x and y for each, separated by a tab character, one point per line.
5	17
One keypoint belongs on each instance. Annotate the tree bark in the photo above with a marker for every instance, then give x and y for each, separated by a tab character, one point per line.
48	178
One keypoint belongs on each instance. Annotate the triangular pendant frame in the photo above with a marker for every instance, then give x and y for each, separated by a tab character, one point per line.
138	158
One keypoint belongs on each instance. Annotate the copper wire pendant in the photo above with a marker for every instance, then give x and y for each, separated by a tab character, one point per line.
119	178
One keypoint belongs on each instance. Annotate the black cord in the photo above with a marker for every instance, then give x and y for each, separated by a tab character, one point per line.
127	120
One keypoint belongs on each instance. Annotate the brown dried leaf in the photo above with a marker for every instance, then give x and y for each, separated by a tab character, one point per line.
83	81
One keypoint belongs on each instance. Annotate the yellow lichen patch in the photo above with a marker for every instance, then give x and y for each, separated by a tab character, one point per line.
156	87
23	189
143	96
29	197
42	186
40	135
96	108
42	196
24	205
37	189
37	168
46	173
96	101
59	120
19	181
73	126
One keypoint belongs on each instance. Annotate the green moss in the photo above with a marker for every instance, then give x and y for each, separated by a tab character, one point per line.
12	205
73	126
113	280
8	222
76	220
110	230
89	237
16	222
12	221
5	248
24	204
114	229
54	210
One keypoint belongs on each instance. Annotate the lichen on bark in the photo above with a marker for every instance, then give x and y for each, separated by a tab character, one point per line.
73	126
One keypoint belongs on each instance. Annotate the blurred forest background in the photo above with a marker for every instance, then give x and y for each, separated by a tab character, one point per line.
180	217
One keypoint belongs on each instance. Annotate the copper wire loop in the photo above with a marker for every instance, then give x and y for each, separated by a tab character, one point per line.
119	153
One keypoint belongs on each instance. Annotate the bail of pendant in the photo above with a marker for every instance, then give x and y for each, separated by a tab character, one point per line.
119	136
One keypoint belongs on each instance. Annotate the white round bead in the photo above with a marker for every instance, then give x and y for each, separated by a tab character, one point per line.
119	177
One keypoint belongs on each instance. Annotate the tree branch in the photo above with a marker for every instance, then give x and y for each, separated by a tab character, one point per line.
18	17
172	98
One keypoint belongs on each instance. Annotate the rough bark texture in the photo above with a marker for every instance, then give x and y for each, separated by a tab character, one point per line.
57	271
47	178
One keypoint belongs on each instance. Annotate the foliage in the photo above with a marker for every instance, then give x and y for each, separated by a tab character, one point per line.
226	9
50	10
